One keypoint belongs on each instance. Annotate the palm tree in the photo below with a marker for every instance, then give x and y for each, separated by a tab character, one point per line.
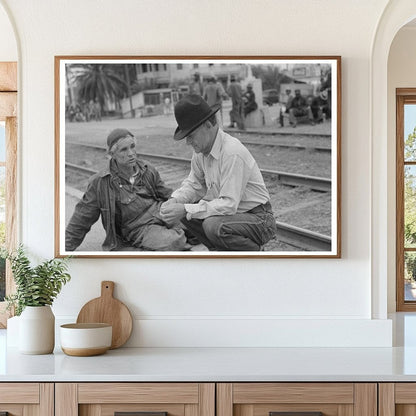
271	76
100	82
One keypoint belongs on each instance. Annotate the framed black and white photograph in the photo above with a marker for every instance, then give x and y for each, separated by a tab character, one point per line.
198	156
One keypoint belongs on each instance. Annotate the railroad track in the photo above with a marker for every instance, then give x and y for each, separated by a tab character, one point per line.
289	234
277	133
301	238
285	178
286	146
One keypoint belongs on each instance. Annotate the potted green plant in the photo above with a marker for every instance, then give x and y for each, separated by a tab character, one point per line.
36	289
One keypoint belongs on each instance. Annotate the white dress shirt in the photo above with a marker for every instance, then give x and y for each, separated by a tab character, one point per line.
225	182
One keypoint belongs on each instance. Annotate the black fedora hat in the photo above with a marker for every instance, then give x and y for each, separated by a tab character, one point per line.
190	112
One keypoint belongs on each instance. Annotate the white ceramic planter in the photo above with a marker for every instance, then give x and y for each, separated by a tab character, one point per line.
37	330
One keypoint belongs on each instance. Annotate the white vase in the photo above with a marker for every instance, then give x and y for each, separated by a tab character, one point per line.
37	330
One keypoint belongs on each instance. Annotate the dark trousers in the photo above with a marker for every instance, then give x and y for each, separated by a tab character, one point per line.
247	231
236	115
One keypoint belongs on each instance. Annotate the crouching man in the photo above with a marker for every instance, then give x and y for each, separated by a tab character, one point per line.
224	202
127	195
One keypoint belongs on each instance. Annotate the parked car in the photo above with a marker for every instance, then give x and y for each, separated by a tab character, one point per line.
270	97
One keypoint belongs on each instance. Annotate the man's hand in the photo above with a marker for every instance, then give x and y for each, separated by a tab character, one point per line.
167	203
172	212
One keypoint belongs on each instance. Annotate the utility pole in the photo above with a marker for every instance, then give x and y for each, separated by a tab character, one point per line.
126	73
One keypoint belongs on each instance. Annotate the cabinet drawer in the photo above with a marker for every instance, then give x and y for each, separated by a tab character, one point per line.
309	399
138	393
19	393
147	399
293	393
397	399
21	399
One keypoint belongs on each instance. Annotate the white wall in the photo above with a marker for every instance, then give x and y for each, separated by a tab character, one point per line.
8	46
203	302
401	74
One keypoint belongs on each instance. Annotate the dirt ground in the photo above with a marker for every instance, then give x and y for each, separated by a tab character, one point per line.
299	206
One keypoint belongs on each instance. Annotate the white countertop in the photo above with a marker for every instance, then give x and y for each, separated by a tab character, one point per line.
222	364
215	364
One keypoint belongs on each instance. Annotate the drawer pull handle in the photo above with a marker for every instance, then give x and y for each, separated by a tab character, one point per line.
140	414
295	413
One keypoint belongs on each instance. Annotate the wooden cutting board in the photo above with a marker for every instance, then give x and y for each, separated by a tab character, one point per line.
108	310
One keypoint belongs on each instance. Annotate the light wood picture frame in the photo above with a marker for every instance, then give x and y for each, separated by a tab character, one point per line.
298	152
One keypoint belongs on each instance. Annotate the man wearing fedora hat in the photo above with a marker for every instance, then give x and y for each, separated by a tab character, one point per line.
223	202
127	195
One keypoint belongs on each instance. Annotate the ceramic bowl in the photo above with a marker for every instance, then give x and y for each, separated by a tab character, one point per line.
83	340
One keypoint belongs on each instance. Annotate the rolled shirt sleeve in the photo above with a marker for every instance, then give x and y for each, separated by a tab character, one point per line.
193	188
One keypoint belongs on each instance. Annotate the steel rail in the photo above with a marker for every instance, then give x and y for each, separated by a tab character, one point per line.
80	168
286	178
292	179
278	133
302	238
288	146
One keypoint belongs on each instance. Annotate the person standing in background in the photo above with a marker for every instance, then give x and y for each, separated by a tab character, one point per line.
236	93
196	87
213	95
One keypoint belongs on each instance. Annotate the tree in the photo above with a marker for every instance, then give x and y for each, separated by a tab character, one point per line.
270	76
100	82
410	146
410	190
410	204
410	207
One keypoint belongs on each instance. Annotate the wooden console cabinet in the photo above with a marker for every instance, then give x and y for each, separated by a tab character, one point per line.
208	399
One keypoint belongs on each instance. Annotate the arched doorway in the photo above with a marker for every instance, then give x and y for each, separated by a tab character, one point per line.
401	96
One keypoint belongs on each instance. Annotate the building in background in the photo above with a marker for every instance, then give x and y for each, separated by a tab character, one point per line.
165	75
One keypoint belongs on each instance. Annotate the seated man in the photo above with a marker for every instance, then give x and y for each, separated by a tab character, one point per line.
127	195
299	108
224	201
287	101
315	105
249	100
